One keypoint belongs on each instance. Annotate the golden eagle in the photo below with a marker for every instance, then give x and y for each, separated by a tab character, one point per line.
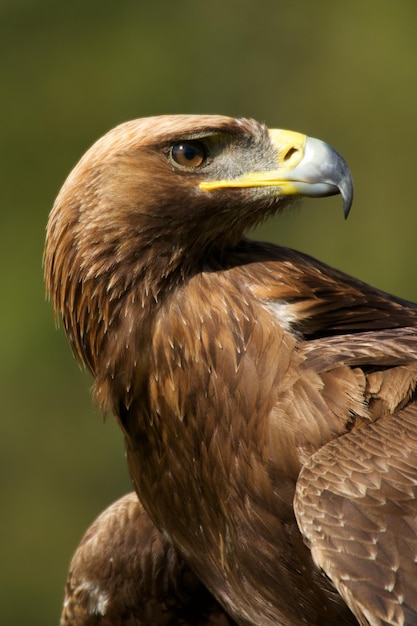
267	400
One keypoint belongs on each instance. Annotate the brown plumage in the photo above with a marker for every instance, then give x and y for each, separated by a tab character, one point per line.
267	400
126	573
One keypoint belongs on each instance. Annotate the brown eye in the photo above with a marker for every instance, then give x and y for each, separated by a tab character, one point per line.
189	153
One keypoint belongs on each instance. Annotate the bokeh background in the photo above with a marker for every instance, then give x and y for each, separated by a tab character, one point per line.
69	71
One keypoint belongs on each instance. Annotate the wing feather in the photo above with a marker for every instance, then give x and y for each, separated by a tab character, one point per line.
356	505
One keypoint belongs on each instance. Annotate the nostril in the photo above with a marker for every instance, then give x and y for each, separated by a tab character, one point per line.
289	154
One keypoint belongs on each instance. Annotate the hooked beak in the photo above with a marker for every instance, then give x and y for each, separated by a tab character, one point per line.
304	167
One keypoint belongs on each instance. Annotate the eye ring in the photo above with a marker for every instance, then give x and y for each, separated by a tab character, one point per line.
189	154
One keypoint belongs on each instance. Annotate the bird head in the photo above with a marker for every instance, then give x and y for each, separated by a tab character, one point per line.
172	183
152	199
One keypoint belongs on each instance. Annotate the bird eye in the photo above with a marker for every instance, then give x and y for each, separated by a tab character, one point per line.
189	153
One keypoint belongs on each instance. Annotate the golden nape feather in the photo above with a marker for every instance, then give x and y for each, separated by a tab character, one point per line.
268	401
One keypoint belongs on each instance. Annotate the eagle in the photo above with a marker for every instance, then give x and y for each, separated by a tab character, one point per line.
267	400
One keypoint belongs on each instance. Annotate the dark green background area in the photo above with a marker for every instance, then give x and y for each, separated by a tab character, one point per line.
344	72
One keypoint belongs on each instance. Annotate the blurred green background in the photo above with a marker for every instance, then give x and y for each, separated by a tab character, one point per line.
344	72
